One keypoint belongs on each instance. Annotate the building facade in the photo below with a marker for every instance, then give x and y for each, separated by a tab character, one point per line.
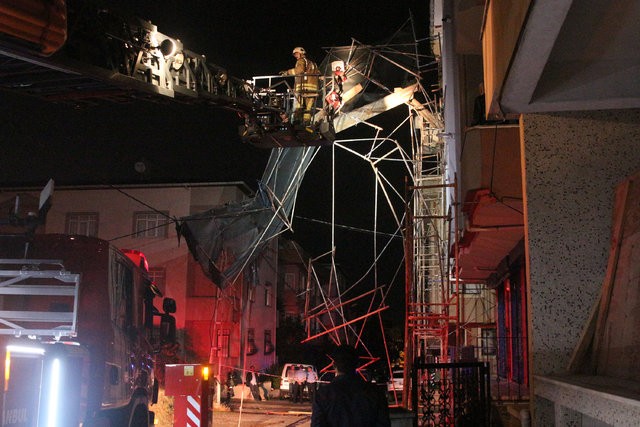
555	89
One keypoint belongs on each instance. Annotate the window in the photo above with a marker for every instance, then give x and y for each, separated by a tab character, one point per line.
471	288
252	348
488	341
268	296
268	344
122	312
302	283
223	343
150	224
158	276
82	223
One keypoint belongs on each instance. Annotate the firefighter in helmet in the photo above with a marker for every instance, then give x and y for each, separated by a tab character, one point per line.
306	85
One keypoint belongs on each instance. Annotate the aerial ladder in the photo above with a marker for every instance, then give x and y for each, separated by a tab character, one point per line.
67	51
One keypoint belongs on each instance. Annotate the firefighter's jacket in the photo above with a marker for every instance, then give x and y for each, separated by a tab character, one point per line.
307	76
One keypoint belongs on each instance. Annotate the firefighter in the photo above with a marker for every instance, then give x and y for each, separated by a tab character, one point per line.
306	86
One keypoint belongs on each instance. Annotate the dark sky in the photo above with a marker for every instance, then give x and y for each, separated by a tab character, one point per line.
100	145
252	38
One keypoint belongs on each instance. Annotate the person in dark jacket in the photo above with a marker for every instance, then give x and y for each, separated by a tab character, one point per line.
349	401
251	380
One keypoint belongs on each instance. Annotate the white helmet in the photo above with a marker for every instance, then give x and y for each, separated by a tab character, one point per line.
300	50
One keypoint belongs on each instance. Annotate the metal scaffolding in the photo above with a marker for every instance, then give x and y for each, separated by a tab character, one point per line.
433	306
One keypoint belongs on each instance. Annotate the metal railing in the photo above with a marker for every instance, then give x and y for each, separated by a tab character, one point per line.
451	394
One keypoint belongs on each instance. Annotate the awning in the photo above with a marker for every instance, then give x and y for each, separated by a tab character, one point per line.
493	229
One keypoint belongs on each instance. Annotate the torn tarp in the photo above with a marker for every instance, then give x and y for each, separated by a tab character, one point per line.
226	239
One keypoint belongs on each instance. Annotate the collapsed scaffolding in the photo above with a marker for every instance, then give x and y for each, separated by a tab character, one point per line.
431	305
131	60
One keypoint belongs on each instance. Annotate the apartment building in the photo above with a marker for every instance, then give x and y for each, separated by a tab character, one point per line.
541	113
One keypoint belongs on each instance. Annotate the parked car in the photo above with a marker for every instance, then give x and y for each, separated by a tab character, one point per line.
396	382
284	381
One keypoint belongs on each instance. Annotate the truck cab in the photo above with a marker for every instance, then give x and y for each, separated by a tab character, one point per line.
76	333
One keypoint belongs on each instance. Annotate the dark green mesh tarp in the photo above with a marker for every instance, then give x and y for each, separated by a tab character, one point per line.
226	239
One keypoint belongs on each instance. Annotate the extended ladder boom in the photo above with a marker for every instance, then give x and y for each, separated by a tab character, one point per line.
106	57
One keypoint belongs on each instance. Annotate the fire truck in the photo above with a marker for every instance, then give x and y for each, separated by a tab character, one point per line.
77	339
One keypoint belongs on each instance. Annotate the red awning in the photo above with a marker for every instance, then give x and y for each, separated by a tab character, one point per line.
494	227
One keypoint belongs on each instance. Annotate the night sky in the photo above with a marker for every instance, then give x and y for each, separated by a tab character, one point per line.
253	38
183	143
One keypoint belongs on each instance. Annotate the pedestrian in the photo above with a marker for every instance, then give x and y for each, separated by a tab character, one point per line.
261	380
349	401
305	86
300	376
251	380
311	382
230	384
291	376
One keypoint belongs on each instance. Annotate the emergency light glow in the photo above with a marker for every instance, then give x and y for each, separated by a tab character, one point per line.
52	419
25	350
19	350
205	373
7	370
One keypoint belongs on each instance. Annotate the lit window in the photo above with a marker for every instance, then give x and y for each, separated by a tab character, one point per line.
268	297
488	341
83	224
150	224
471	288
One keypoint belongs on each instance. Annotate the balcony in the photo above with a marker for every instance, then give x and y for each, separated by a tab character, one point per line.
493	207
559	56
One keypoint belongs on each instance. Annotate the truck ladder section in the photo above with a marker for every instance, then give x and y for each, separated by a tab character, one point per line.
107	57
131	61
38	298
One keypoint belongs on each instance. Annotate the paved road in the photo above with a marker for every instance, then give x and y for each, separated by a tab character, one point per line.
274	412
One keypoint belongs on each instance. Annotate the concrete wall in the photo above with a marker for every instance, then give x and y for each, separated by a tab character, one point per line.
572	162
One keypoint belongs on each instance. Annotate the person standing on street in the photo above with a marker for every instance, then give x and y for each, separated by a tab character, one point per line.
300	377
261	379
312	378
251	380
349	401
291	376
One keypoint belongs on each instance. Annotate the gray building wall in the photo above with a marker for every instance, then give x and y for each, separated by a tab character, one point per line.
572	164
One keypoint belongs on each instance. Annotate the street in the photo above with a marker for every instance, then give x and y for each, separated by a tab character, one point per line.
265	413
274	412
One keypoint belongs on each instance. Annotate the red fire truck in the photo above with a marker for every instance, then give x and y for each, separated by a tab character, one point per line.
76	333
